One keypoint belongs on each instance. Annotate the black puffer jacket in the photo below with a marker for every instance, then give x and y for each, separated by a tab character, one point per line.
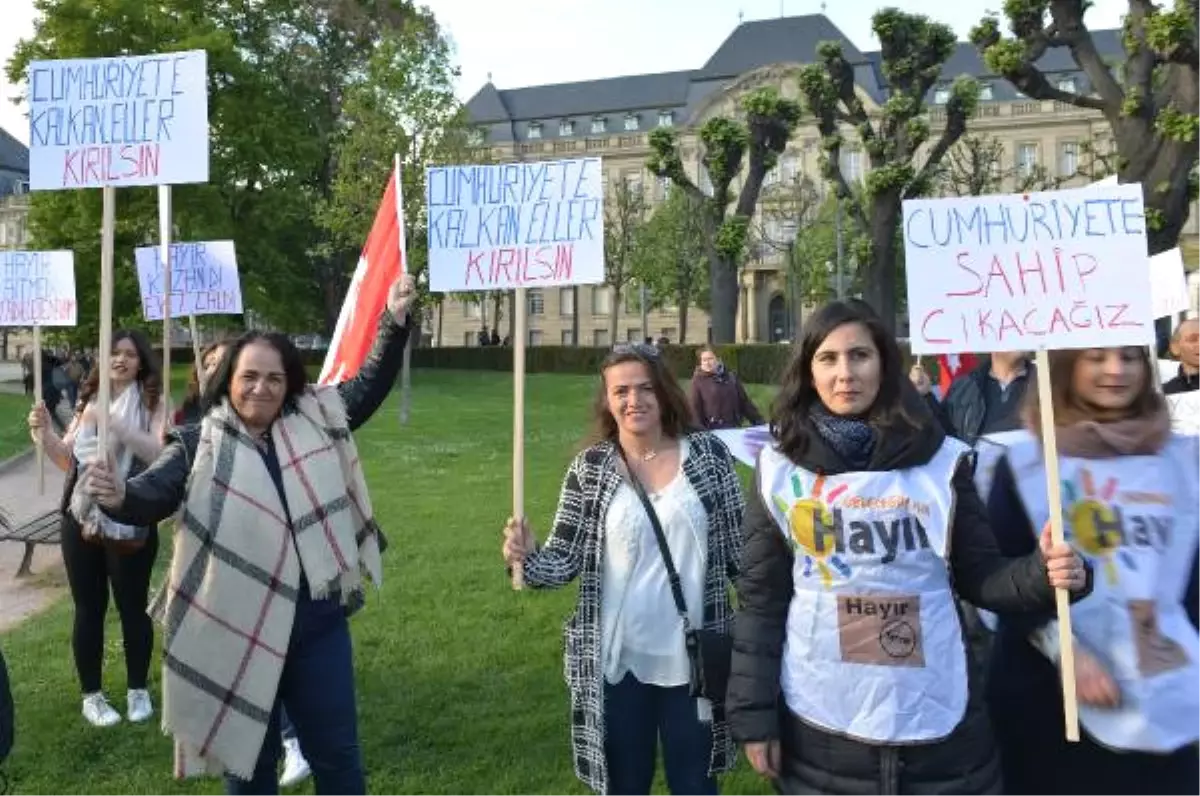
815	761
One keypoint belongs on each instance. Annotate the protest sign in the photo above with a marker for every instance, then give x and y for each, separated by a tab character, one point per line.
515	225
745	443
1061	269
130	120
1168	284
1185	412
204	280
37	288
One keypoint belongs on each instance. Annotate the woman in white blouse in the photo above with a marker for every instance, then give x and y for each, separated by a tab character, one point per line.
628	666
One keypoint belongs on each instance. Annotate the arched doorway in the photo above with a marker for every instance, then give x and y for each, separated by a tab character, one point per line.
777	318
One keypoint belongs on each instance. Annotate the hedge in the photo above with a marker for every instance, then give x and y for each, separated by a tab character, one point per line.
754	364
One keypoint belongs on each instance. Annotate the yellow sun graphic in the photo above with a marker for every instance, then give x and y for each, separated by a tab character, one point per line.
1092	523
808	518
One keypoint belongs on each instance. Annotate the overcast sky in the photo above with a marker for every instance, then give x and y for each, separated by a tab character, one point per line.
532	42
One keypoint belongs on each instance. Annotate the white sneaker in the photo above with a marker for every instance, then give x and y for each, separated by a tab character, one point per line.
295	767
98	712
140	708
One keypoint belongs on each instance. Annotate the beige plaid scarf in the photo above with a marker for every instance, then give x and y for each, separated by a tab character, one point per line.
230	601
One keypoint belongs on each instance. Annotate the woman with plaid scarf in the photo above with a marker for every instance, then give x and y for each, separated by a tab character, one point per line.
275	539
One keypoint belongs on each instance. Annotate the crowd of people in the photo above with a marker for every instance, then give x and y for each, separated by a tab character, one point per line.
848	662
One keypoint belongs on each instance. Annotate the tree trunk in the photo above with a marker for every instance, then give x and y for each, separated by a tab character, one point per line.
879	283
724	290
683	316
614	316
497	298
512	316
575	316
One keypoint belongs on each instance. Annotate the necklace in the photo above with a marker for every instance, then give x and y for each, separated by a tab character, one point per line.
648	455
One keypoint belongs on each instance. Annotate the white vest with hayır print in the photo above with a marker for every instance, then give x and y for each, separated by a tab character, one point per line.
874	647
1136	519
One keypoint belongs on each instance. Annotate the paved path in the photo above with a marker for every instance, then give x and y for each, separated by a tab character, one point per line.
20	500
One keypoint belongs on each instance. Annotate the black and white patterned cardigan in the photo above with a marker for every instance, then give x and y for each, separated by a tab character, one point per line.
575	548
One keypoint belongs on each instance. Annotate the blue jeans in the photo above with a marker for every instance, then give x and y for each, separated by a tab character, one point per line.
636	715
317	690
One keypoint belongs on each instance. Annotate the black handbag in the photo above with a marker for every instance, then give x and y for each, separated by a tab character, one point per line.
709	652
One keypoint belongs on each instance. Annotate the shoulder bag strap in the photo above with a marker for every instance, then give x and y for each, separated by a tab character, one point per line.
663	548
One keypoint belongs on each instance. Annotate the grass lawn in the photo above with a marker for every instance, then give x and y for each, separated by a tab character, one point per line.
14	432
460	680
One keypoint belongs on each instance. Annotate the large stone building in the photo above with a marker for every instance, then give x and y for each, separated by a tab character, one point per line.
612	119
14	211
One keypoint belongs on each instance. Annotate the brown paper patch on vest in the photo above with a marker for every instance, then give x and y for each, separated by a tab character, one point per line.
1156	653
881	630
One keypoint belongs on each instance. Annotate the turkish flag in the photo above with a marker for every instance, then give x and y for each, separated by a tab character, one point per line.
379	266
951	367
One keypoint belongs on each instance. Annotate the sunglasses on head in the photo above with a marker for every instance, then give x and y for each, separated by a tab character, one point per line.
638	349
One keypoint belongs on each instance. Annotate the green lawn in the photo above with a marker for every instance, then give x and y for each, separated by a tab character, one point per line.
14	431
460	679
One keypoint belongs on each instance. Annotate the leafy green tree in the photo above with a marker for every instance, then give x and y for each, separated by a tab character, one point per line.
669	258
624	215
914	52
1150	100
754	140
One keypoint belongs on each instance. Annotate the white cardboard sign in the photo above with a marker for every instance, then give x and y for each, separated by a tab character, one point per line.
204	280
1168	284
1059	269
1185	412
37	288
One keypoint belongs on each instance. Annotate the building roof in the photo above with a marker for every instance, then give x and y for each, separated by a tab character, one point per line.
14	156
751	45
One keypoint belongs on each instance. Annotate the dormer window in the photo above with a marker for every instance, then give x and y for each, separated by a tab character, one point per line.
941	95
1066	84
534	131
599	125
566	128
985	91
475	137
666	118
631	122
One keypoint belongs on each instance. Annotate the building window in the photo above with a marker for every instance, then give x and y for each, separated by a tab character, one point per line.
789	168
851	163
471	309
985	91
633	182
600	338
1068	159
664	187
941	95
1027	159
601	300
535	337
470	339
633	334
568	337
535	301
669	333
534	131
631	122
475	137
1066	84
771	177
633	299
666	118
566	301
599	125
566	128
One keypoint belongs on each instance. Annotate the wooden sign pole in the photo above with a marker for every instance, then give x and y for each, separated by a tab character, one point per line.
38	393
1062	602
104	394
164	256
519	335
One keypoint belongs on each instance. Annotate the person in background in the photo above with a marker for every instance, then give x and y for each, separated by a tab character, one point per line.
988	400
27	373
495	338
75	376
718	398
1130	490
627	663
52	394
137	418
850	669
1185	346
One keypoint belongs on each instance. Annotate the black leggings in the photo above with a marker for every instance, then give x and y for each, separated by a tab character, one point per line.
90	568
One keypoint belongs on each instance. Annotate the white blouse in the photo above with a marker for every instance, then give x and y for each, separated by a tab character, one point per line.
642	631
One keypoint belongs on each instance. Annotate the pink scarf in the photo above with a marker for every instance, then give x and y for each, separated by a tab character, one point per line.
1134	436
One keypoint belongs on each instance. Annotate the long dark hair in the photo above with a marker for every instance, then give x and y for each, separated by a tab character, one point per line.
149	376
191	399
1069	410
672	403
798	394
295	375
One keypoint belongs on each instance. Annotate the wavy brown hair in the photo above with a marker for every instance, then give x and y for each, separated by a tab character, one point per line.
672	403
798	394
149	377
1069	409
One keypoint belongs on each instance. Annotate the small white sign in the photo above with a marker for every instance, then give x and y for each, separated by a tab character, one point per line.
37	288
204	280
1185	412
745	443
511	225
136	120
1059	269
1168	284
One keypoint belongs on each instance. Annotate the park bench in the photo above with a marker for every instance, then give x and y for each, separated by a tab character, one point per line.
43	529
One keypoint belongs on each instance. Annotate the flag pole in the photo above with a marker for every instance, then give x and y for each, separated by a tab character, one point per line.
406	365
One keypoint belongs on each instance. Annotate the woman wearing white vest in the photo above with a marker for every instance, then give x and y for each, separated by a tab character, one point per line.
1129	489
863	522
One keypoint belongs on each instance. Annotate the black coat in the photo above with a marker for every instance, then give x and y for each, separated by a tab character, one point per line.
815	761
964	407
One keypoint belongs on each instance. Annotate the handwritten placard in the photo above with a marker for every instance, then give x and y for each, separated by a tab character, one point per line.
37	288
1060	269
1185	412
512	225
139	120
1168	284
204	280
